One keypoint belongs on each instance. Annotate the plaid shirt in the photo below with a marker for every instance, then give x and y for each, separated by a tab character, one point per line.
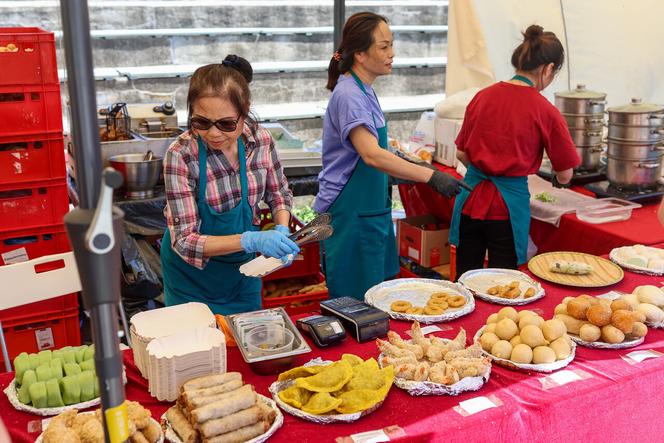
265	178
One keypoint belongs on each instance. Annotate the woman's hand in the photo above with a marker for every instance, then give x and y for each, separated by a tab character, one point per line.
447	185
269	243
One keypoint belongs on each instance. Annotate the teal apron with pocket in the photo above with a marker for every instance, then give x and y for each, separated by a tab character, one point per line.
219	284
514	191
362	252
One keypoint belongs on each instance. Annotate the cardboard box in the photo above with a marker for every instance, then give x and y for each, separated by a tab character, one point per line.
447	130
418	236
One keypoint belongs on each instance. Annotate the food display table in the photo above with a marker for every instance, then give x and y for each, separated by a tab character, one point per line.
617	401
572	234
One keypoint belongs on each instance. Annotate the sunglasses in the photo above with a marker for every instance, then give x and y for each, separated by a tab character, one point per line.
223	124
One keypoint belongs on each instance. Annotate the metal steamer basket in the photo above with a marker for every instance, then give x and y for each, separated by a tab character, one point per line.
635	145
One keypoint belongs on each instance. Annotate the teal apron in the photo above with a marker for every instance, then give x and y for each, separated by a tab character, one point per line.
220	284
363	250
514	191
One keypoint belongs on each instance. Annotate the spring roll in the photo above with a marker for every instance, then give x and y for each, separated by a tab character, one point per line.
241	435
222	408
209	381
181	426
152	432
201	401
231	422
232	385
269	413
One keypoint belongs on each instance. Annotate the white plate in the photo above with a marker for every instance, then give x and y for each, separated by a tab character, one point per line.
40	439
478	281
173	437
604	345
542	367
417	291
614	255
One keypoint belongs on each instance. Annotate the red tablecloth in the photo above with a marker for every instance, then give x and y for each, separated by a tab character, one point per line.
619	402
572	234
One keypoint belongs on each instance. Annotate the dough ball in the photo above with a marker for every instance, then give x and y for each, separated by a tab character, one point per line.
638	260
508	312
553	329
611	334
561	348
529	320
578	307
639	330
493	318
599	314
516	340
572	324
525	313
632	300
639	316
653	313
567	300
590	333
650	294
592	300
491	327
502	349
656	264
623	320
543	354
620	304
561	309
487	340
532	336
522	354
506	329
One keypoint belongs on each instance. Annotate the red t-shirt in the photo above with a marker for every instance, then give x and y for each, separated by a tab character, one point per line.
505	131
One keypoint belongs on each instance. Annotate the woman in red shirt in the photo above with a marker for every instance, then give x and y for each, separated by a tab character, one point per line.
506	129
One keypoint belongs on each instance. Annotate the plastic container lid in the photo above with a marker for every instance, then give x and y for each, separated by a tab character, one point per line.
269	340
607	210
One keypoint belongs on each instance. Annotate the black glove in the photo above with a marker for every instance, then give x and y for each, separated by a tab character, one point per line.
557	184
446	185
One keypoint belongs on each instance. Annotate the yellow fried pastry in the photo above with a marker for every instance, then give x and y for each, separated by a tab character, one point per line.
321	403
294	396
332	378
415	310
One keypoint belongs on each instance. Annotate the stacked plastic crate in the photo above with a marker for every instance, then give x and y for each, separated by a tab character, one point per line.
33	186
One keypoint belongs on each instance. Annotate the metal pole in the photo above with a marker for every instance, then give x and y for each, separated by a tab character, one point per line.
92	231
339	20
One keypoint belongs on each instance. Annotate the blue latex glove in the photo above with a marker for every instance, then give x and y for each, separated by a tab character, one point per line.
269	243
286	231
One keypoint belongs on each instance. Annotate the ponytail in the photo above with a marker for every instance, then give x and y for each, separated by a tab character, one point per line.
538	48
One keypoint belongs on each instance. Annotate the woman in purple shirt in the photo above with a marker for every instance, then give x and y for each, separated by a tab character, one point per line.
356	163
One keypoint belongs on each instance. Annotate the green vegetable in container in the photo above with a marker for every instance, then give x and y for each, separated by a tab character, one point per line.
545	197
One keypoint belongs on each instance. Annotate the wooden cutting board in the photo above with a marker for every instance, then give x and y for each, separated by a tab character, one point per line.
605	272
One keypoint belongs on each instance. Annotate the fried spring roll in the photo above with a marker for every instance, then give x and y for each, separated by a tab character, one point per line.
181	426
214	390
202	401
269	413
211	380
224	407
231	422
242	434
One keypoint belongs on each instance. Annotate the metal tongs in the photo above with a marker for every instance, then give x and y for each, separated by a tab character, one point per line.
316	230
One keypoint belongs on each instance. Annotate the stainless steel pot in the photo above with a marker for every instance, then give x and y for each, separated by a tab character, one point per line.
590	156
643	134
637	113
635	151
580	101
586	137
631	174
584	121
140	175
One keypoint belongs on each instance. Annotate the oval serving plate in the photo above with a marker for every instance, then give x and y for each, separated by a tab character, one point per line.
605	272
478	281
614	255
417	291
544	367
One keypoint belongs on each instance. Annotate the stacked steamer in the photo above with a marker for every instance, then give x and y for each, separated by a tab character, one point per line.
583	111
33	185
636	132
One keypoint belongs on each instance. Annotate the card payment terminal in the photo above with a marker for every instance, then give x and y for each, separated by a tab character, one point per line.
362	321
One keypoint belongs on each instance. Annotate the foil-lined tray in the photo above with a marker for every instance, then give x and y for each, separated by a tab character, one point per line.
40	439
603	345
614	257
479	280
529	367
417	291
278	422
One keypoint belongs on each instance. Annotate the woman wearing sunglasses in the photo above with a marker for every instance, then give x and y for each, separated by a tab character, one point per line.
353	185
216	173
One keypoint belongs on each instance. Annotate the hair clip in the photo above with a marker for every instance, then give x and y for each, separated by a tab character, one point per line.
336	56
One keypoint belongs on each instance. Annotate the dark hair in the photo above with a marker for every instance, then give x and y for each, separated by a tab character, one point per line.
228	80
357	36
538	48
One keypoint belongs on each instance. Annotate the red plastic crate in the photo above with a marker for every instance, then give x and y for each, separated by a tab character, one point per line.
37	242
33	204
52	306
30	109
29	55
35	157
298	303
41	331
306	263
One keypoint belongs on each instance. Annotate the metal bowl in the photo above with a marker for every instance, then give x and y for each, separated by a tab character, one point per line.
140	175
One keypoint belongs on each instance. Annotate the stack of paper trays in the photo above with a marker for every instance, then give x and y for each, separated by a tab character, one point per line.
149	325
174	359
